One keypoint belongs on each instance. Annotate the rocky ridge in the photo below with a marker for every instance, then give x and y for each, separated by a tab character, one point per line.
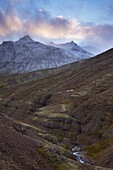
26	55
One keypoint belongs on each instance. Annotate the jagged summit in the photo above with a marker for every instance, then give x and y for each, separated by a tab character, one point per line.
59	45
26	38
73	43
27	55
70	46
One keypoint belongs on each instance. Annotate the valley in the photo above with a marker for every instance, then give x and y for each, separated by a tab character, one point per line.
45	113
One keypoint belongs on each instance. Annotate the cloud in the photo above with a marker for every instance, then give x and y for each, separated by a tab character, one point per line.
9	23
101	35
42	24
50	27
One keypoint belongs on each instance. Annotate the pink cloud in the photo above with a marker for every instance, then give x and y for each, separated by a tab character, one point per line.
9	23
45	26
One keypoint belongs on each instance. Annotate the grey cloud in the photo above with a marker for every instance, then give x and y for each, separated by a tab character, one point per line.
60	22
42	24
100	36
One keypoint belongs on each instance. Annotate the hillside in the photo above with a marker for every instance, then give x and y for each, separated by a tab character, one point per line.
71	107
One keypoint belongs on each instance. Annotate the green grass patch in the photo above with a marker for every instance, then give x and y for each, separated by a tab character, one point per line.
96	149
57	157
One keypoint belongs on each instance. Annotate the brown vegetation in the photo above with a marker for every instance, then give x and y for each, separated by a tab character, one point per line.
73	105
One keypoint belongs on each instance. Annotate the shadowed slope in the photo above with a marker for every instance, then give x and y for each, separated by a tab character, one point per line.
73	106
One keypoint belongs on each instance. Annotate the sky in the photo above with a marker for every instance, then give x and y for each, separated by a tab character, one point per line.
87	22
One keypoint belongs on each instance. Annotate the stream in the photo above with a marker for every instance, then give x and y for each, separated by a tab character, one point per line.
80	157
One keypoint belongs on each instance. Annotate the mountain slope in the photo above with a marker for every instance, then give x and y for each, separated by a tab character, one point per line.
21	147
72	107
27	55
68	46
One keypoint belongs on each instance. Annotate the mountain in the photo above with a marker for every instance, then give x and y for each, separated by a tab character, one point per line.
59	121
72	47
27	55
68	46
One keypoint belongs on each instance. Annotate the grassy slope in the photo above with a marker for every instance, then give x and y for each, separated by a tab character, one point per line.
72	106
